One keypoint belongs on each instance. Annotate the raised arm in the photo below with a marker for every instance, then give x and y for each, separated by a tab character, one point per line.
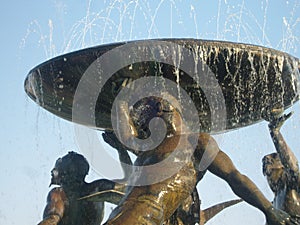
124	131
55	207
287	157
110	138
125	128
241	185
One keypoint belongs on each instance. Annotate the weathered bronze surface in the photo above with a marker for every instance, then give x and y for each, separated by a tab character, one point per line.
63	205
155	194
281	169
182	212
255	81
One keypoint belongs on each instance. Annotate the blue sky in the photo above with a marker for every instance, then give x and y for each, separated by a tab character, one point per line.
32	32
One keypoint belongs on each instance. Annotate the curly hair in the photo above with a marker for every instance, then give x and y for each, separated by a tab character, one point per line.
73	165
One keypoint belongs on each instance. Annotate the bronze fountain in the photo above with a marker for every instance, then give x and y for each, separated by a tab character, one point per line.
253	83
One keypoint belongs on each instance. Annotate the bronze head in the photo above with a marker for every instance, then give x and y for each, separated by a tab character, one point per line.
148	108
274	171
72	167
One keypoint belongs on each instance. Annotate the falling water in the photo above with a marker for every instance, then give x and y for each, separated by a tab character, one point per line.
236	21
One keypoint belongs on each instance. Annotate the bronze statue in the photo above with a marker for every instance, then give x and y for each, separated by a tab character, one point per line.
63	206
188	213
153	204
282	172
77	201
253	81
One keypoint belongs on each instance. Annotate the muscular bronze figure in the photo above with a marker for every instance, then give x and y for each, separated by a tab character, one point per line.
282	172
188	213
63	204
153	204
76	201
